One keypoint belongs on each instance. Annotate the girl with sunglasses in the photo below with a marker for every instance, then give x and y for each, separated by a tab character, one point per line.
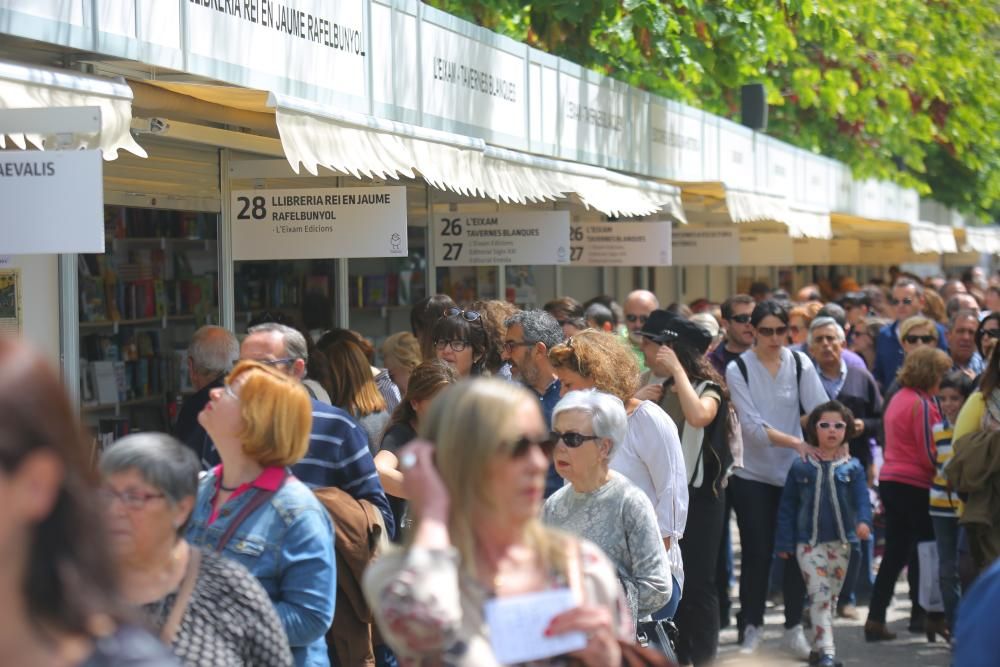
824	510
600	504
460	341
771	387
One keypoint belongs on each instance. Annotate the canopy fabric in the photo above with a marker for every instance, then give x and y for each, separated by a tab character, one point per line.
363	146
24	87
711	202
846	225
927	237
314	136
984	240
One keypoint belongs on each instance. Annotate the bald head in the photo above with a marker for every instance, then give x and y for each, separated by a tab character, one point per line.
638	305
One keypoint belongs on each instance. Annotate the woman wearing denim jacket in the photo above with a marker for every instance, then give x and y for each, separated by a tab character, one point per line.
252	510
824	510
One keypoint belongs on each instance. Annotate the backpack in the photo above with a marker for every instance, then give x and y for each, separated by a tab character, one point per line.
715	449
798	375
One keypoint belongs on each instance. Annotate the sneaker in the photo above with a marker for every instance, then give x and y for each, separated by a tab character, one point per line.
849	611
794	642
751	640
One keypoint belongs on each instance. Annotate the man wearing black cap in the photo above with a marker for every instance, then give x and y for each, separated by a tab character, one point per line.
682	381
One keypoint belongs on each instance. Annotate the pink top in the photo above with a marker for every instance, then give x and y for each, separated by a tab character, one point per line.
910	453
269	479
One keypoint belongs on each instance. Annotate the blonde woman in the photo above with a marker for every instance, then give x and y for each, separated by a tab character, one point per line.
476	494
400	355
252	510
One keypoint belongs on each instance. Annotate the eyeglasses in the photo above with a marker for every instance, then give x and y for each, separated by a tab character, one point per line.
467	315
913	339
572	438
275	362
509	345
767	332
524	444
836	426
455	345
641	319
895	302
795	329
740	319
229	391
130	499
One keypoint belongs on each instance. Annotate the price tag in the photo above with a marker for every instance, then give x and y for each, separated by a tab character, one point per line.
509	237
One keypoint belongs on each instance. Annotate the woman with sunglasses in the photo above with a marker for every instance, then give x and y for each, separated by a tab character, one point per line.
460	341
905	481
602	506
824	510
987	335
475	495
863	336
650	453
771	387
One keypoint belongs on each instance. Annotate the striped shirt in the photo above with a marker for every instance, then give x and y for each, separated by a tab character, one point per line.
338	456
944	502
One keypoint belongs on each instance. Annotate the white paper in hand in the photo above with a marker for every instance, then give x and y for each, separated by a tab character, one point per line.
517	626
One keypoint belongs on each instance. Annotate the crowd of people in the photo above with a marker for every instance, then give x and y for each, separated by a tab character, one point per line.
321	502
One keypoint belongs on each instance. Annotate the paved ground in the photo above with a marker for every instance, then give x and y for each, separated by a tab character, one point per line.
907	650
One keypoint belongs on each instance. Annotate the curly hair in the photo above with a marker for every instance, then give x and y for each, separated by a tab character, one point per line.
494	314
923	368
602	357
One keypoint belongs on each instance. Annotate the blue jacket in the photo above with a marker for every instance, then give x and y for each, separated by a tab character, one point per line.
798	513
287	543
889	353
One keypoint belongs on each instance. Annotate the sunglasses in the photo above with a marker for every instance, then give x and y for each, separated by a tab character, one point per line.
895	302
467	315
572	438
455	345
795	329
836	426
992	333
740	319
767	332
642	319
275	362
524	444
912	339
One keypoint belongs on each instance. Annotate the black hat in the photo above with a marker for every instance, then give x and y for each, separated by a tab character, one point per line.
855	299
666	327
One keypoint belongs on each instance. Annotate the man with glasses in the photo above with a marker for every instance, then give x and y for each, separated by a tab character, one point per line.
739	332
338	454
638	305
907	300
530	336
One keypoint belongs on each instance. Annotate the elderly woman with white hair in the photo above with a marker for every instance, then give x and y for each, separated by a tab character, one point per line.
600	504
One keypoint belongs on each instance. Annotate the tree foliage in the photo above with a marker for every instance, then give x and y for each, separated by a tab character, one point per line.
905	90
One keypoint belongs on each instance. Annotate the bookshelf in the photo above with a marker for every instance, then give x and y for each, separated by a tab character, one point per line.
140	302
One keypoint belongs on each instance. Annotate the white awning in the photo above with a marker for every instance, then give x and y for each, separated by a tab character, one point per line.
927	237
984	240
314	136
24	87
712	202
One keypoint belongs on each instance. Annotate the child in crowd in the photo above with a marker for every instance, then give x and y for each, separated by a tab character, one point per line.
824	510
945	507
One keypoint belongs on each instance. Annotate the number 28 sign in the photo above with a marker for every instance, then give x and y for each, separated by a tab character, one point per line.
508	237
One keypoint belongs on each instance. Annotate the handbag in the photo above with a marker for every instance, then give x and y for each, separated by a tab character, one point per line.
658	636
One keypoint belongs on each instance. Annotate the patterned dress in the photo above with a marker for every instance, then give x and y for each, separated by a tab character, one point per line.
229	620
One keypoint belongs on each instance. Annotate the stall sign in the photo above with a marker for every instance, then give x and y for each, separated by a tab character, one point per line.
766	249
508	237
811	252
845	252
319	223
53	202
595	243
705	246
